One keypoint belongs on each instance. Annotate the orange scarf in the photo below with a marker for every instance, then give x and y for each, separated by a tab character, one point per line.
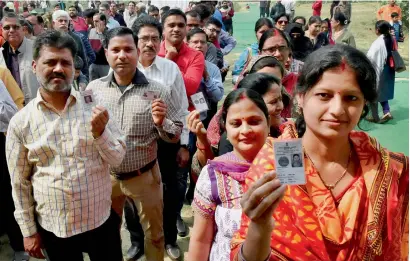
368	222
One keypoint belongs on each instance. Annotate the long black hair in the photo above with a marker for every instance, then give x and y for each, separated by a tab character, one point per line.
332	56
261	22
383	27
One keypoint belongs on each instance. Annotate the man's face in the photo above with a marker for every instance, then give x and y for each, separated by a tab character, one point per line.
395	19
56	8
76	74
148	43
131	8
175	29
213	32
104	11
13	31
37	28
154	14
113	8
192	22
54	69
61	24
122	55
72	12
198	42
97	21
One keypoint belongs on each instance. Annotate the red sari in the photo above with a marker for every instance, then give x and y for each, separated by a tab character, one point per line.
369	221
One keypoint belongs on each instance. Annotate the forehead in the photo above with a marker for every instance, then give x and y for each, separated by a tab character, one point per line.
274	40
175	19
191	19
62	18
210	26
10	21
283	18
121	41
339	80
154	12
198	36
244	108
53	53
148	30
72	9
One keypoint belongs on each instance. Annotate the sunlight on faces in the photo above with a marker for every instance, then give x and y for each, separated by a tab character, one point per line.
122	54
277	47
148	43
175	29
246	127
333	107
198	42
54	69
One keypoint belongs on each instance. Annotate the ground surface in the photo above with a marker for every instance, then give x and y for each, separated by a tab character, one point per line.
393	135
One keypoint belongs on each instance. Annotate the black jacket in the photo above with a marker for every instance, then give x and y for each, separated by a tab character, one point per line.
276	10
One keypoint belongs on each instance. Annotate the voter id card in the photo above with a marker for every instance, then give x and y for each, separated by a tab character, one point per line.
289	162
199	102
150	95
88	99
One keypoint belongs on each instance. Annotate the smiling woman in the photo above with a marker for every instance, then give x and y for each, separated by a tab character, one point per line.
332	216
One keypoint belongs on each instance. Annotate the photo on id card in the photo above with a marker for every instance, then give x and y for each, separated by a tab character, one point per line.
199	102
289	162
88	99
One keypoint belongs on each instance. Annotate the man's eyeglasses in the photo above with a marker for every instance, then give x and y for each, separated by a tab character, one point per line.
273	49
213	30
146	39
9	26
282	22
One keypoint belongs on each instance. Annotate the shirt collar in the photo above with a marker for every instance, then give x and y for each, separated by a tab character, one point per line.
39	99
20	49
139	78
156	63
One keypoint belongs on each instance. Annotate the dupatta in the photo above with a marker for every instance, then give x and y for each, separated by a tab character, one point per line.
368	222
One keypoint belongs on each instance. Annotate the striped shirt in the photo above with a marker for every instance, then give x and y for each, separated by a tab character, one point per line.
167	73
133	114
59	172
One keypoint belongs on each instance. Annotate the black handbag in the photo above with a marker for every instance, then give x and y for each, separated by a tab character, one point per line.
399	65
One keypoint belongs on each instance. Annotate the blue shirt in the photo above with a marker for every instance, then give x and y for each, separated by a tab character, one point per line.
243	58
218	15
213	88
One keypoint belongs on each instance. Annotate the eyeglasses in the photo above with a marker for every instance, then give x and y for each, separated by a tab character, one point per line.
273	49
213	30
146	39
9	26
282	22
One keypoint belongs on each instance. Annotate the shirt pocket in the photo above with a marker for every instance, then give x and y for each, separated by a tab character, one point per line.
138	118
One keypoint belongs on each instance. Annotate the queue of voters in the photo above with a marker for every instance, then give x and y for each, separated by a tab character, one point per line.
114	115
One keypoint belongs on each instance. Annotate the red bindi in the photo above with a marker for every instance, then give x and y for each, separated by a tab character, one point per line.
343	64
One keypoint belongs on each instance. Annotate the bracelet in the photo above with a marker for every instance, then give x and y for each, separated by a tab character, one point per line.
241	258
199	147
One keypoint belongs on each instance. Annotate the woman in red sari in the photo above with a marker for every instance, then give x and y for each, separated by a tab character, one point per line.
354	205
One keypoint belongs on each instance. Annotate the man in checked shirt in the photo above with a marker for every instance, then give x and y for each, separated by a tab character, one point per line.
124	92
58	153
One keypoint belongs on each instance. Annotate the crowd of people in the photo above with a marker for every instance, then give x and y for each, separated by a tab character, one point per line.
99	121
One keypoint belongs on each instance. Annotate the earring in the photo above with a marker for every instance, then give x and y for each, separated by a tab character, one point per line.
298	110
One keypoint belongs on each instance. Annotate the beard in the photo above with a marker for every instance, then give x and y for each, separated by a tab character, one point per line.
46	83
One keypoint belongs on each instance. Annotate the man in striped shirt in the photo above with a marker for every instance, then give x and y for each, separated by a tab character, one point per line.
59	149
146	111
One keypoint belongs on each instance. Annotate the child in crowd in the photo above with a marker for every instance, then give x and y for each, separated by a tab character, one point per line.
80	81
396	27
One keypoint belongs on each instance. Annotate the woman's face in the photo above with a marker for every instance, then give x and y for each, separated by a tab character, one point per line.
273	100
325	27
334	23
261	31
282	23
277	47
332	108
314	29
246	128
300	21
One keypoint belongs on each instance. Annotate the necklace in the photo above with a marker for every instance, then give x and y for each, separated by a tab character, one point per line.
332	186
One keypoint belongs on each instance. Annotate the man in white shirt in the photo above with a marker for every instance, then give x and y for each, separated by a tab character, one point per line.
130	14
105	9
170	156
289	7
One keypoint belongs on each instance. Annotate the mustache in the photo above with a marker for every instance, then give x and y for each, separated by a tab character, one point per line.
57	75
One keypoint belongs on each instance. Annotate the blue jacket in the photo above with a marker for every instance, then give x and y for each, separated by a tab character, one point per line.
243	58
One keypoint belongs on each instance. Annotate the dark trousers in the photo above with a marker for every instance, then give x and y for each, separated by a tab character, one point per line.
167	154
262	11
7	219
102	243
132	221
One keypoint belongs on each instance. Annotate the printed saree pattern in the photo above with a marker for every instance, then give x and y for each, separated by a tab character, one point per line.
368	222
